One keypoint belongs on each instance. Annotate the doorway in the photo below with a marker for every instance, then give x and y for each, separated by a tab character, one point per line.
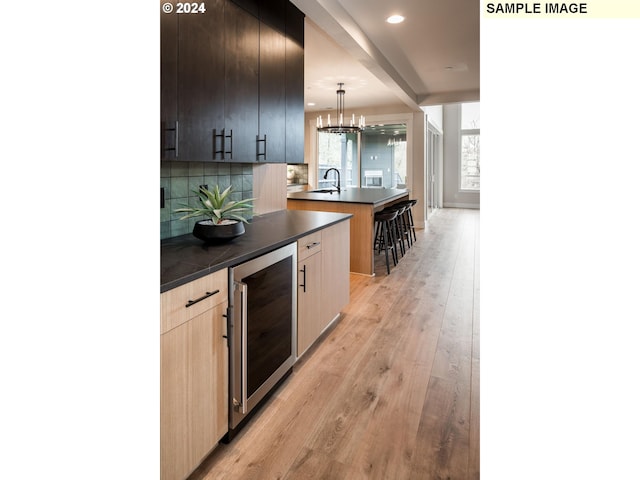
434	169
384	156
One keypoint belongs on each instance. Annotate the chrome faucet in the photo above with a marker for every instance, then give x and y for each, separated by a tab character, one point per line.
337	173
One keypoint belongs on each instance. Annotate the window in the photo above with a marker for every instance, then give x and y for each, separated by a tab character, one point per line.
470	146
337	150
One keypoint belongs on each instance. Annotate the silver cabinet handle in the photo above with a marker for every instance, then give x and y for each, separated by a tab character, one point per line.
243	343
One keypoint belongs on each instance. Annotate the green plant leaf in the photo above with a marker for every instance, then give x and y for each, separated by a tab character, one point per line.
216	206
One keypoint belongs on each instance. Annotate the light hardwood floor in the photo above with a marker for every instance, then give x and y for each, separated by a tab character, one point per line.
392	390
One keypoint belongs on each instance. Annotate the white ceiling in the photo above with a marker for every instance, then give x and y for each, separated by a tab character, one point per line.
433	57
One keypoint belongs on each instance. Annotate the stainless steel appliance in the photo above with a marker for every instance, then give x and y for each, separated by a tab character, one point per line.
262	330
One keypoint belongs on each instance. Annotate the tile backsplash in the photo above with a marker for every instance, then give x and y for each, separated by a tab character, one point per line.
180	179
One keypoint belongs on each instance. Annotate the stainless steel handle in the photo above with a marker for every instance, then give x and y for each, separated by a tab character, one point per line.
243	347
177	142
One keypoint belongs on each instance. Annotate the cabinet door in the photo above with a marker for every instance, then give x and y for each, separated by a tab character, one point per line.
193	392
251	6
200	84
294	61
271	145
335	269
309	301
168	85
273	13
242	36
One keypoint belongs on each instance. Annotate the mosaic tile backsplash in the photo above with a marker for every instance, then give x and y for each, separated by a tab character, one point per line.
180	179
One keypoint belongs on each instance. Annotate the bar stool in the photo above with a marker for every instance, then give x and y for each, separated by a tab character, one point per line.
398	224
384	236
409	217
403	223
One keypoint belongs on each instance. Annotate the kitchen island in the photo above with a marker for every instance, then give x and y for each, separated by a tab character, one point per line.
362	203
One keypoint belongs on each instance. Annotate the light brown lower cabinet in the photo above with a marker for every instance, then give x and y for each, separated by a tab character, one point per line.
193	380
323	279
310	315
194	353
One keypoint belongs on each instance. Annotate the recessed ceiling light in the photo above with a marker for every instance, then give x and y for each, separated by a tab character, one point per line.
395	19
311	104
458	67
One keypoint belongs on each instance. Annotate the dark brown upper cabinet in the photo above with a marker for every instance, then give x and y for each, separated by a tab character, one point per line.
272	113
251	6
274	14
294	84
193	103
255	75
232	83
241	74
168	85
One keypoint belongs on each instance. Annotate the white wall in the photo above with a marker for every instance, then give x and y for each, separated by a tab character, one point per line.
452	195
435	115
418	170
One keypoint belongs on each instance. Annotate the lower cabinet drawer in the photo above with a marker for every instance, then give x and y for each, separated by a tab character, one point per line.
187	301
309	245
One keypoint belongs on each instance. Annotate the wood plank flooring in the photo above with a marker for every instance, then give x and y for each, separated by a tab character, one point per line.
392	390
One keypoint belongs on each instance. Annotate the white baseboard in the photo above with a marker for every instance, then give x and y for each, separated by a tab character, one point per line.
462	205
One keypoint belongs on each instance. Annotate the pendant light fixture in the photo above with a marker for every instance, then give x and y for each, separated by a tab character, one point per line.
340	126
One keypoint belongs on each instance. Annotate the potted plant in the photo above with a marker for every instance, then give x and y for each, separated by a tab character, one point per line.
225	217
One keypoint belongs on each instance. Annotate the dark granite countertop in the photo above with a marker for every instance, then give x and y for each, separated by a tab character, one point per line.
185	258
373	196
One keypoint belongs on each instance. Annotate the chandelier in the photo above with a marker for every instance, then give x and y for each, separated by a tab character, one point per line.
340	126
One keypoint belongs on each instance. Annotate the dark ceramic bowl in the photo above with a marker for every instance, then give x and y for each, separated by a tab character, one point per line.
208	232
